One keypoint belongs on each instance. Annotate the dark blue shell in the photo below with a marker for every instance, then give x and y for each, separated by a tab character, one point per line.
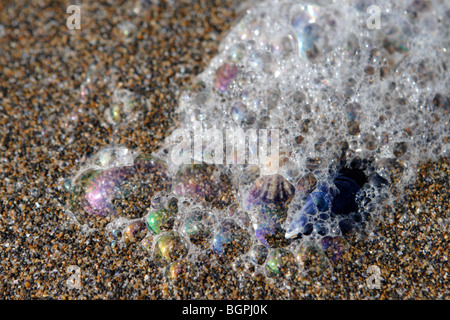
336	201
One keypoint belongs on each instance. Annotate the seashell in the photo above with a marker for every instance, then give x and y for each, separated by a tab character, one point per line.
269	197
273	191
339	201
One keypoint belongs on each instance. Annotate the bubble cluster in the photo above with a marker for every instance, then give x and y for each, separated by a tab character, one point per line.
357	108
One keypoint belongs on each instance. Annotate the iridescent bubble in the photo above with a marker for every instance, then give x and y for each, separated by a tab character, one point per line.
78	186
180	270
269	230
280	262
103	188
147	243
224	75
204	183
311	259
135	232
199	228
241	114
122	187
115	234
152	170
334	247
170	247
258	254
126	106
160	220
230	241
163	218
112	156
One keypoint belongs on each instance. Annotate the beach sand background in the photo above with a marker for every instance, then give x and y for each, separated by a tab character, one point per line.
46	129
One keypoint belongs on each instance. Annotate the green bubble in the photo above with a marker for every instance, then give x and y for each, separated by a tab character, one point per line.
170	247
280	262
160	220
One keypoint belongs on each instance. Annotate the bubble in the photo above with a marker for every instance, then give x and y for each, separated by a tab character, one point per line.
263	62
280	262
334	248
241	114
126	106
269	228
306	185
311	259
224	75
397	34
180	270
147	244
204	183
400	149
103	188
283	45
258	254
160	220
152	170
162	214
237	52
135	232
170	247
230	241
199	228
